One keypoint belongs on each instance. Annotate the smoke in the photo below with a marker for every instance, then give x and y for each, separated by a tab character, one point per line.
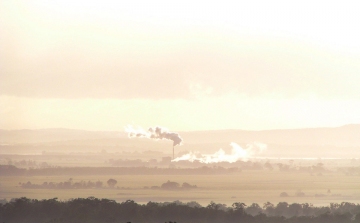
237	153
154	133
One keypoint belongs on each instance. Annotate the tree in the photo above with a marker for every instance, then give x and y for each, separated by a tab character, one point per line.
215	206
111	183
254	209
170	185
188	186
238	206
294	209
269	208
281	208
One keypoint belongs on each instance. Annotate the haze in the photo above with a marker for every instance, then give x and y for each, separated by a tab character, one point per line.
187	66
252	104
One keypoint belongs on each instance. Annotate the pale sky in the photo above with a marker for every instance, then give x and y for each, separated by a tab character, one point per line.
191	65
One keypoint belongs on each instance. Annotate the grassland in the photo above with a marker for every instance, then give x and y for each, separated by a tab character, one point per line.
248	187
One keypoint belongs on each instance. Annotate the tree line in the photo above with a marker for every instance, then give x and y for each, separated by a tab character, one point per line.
93	210
10	170
203	169
69	184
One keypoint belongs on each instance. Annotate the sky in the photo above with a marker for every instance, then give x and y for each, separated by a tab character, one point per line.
186	65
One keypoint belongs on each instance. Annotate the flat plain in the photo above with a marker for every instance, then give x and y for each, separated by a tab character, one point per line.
252	186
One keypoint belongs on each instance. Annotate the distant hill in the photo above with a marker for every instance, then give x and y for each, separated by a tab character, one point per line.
348	135
341	141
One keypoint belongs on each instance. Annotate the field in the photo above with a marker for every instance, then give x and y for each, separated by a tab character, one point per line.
248	186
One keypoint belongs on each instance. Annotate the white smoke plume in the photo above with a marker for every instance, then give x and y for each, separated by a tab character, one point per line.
237	153
154	133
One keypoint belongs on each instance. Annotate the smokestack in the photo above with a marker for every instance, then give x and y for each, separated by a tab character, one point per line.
155	133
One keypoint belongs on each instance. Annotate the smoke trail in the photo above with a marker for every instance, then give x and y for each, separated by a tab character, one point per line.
154	133
237	153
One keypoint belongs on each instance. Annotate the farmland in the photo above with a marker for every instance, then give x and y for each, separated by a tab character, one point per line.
247	186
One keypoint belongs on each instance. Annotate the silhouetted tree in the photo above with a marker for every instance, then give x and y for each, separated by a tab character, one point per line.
281	208
111	182
94	210
254	209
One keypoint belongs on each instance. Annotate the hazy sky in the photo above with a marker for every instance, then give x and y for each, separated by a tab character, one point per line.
191	65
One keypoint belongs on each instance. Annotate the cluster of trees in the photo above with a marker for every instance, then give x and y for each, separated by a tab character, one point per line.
305	209
24	163
302	194
104	210
169	185
297	194
69	184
